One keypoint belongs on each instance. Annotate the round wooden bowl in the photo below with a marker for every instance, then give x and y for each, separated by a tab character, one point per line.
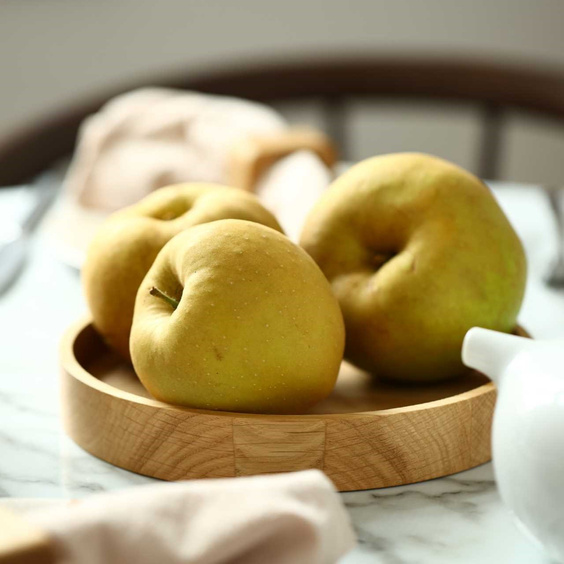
365	435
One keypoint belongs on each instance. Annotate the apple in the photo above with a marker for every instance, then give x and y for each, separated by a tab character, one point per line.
233	316
417	251
125	247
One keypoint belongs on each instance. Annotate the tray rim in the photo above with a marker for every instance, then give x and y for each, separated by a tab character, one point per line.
357	450
71	365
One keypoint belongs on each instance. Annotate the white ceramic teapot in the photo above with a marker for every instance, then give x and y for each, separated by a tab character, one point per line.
528	427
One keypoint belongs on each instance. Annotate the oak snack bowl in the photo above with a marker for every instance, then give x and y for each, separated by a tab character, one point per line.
365	435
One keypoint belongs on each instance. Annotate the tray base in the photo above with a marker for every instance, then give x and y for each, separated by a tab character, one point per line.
365	435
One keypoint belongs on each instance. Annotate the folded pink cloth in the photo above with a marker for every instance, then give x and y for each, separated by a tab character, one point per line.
294	518
152	137
148	138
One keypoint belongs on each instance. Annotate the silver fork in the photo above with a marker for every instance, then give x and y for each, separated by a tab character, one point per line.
555	275
15	235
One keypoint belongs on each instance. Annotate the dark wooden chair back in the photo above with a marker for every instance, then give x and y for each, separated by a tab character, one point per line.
495	88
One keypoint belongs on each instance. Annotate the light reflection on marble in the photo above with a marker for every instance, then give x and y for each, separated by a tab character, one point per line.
454	519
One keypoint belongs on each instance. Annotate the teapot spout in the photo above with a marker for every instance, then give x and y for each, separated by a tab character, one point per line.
490	352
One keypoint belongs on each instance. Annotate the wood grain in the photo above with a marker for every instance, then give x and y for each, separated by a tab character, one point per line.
366	435
277	446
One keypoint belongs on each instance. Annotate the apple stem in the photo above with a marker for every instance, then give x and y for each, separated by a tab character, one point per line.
160	294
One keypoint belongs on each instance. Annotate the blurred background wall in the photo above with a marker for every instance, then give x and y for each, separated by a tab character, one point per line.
53	52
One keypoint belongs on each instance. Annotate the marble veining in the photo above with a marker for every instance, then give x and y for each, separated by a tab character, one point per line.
455	519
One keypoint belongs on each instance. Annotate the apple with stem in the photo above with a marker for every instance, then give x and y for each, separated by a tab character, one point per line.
234	316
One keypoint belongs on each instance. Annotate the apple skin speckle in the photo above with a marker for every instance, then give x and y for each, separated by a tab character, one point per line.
238	324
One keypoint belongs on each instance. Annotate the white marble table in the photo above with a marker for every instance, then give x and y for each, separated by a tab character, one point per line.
454	519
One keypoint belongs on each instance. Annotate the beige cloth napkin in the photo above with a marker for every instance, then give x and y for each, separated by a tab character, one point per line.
152	137
294	518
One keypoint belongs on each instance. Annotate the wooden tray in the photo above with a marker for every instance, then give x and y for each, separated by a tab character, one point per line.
364	436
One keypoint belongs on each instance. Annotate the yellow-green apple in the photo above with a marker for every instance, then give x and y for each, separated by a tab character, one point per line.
125	247
234	316
417	251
